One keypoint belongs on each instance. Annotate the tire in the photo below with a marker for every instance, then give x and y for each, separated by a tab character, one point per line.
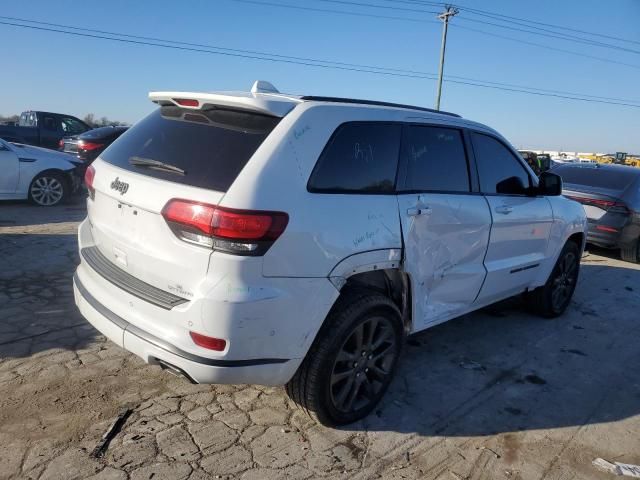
553	298
340	382
632	253
48	189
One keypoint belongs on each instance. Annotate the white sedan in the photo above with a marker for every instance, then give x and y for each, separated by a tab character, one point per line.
45	177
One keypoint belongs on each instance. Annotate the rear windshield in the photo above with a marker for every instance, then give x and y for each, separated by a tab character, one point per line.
610	179
203	148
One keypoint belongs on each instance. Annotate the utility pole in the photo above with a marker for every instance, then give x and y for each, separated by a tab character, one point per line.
444	16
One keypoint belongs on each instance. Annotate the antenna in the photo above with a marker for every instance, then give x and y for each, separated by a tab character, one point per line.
262	86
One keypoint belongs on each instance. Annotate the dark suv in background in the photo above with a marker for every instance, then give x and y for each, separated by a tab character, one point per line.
610	195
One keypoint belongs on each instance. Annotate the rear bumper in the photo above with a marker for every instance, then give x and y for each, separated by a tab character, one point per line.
602	238
268	323
625	236
154	350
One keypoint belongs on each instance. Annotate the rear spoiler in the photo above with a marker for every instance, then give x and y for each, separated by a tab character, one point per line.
274	105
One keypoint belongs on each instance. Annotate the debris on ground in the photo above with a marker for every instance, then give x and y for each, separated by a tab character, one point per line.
471	365
496	454
111	432
617	468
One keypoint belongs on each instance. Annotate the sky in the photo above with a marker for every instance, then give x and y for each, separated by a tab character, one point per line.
50	71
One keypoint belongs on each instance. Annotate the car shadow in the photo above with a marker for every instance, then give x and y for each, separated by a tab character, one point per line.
612	253
504	370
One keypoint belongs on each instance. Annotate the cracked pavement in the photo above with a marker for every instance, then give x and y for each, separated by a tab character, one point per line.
497	394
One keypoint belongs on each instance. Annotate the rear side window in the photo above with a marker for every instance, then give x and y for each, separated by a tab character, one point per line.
208	148
610	179
435	160
359	158
495	163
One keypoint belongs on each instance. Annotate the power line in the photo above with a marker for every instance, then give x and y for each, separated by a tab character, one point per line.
416	73
412	73
298	7
529	23
214	47
326	10
210	51
570	38
369	5
494	14
535	31
312	63
543	90
267	3
547	47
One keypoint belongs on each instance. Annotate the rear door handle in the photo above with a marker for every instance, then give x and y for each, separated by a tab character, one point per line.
504	209
415	211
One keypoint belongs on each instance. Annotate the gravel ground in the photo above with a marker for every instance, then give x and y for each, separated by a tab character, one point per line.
497	394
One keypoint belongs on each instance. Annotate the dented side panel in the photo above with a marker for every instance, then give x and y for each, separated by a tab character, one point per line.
444	253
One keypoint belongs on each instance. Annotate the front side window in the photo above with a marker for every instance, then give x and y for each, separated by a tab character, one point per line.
71	126
359	158
435	160
497	166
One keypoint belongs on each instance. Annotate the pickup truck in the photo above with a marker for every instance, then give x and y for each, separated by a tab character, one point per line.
42	129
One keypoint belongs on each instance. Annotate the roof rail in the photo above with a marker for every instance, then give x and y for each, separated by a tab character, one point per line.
313	98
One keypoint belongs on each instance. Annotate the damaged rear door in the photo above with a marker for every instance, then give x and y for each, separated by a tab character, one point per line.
445	226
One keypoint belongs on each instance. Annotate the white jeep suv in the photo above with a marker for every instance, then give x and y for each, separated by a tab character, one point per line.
288	240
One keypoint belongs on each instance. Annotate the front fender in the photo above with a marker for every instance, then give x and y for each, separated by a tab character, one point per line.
568	219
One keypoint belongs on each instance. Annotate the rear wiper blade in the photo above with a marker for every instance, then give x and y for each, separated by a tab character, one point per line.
156	165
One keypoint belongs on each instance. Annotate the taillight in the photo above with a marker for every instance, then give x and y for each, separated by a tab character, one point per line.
88	181
609	205
217	344
241	232
187	102
61	144
88	146
605	228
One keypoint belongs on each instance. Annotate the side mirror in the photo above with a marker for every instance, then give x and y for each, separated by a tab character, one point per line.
550	184
511	186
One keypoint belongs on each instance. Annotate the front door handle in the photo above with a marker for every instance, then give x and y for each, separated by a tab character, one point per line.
415	211
504	209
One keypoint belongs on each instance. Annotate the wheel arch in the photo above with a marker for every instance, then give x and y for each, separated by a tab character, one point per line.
579	238
62	174
575	235
380	271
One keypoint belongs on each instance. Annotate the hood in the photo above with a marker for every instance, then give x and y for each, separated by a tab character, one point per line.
39	153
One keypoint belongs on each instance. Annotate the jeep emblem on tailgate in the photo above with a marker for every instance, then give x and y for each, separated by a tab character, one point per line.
121	187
